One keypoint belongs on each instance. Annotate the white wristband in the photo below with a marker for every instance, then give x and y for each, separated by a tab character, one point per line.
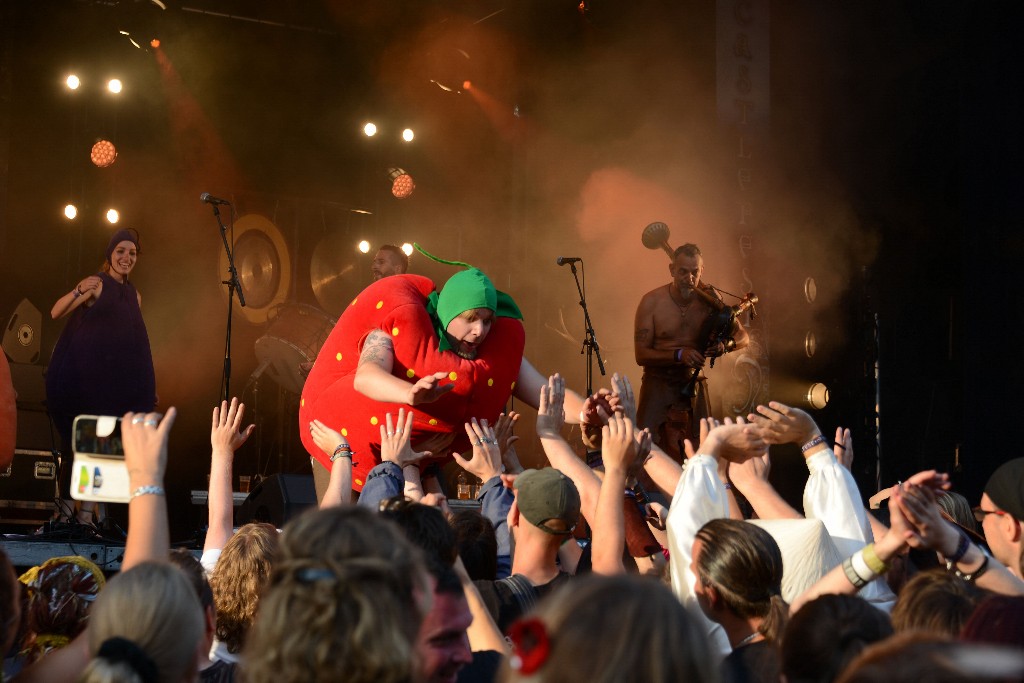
861	567
148	490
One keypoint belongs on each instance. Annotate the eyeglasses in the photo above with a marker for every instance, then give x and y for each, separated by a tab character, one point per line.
979	513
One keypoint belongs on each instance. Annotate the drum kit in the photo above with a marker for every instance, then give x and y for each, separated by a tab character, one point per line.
294	332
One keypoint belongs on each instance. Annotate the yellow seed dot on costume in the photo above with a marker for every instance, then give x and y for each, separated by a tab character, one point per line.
380	304
338	356
453	376
344	432
394	331
302	402
432	422
359	481
374	420
410	373
513	385
354	301
490	382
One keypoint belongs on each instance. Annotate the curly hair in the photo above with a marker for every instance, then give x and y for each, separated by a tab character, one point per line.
345	602
240	578
744	563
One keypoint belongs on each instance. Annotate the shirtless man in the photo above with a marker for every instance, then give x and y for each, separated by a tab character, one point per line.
389	260
669	335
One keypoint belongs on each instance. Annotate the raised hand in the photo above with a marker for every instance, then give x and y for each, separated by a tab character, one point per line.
780	423
618	448
485	461
145	446
394	440
735	442
225	433
749	473
550	412
843	447
598	407
428	389
325	438
503	430
624	391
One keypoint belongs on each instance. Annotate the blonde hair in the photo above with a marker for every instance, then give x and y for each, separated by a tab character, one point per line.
154	606
239	579
344	603
607	629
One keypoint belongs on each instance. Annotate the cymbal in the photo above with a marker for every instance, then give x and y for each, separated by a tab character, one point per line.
335	272
263	264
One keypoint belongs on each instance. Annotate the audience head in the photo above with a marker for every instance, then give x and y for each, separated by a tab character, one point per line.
739	567
425	526
443	645
183	559
826	634
914	657
1002	513
61	592
146	620
477	544
957	509
548	500
346	599
997	620
239	580
10	603
389	260
936	602
609	628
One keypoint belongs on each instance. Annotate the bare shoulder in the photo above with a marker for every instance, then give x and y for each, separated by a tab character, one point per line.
376	347
656	297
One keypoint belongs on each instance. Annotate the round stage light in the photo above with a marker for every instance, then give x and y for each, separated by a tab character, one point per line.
817	395
73	82
364	247
155	43
114	85
402	186
103	153
408	135
70	212
370	130
407	249
113	216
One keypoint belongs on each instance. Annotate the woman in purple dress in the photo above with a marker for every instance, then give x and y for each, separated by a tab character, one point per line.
102	363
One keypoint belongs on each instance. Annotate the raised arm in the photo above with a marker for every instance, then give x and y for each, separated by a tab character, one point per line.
528	386
226	437
336	446
145	456
374	379
620	452
85	291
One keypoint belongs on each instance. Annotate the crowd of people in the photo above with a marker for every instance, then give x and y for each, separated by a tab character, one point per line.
574	571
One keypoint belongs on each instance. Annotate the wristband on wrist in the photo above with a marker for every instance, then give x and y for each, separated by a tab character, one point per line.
342	451
148	491
973	576
76	292
860	566
873	561
851	574
961	549
812	443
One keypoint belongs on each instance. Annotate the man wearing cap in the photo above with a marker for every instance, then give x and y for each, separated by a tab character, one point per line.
389	260
1001	514
451	355
544	513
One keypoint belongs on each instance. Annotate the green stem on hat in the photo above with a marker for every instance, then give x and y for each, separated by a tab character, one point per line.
438	260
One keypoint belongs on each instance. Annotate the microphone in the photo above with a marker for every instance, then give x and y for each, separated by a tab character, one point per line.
562	260
208	198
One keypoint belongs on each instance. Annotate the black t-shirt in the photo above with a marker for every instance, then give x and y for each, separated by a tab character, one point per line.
754	663
501	600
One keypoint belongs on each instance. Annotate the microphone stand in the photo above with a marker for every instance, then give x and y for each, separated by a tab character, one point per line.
233	286
590	345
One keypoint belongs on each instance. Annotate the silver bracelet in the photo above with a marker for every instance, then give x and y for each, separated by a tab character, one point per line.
148	490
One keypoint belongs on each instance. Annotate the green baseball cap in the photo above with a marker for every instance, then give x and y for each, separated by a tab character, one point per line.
548	500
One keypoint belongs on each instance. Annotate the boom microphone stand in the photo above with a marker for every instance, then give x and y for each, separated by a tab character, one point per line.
590	345
233	286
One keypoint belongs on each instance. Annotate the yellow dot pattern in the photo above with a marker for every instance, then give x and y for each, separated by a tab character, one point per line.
380	305
359	481
394	331
513	385
374	420
354	301
432	422
490	382
410	373
338	356
344	432
453	375
302	403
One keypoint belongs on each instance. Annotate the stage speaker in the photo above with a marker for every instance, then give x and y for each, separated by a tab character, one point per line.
21	334
277	499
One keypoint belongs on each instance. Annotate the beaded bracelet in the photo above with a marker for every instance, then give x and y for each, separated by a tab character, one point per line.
812	443
342	451
148	490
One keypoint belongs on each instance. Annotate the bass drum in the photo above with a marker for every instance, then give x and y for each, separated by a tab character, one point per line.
292	341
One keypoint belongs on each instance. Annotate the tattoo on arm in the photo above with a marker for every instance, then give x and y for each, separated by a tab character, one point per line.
376	349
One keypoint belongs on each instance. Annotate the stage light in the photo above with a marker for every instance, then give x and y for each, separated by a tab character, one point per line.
155	43
408	135
370	130
467	85
113	216
402	184
810	344
103	153
364	247
810	290
407	249
70	212
73	82
114	85
817	395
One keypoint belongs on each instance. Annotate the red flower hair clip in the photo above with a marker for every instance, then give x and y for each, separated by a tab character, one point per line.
530	645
